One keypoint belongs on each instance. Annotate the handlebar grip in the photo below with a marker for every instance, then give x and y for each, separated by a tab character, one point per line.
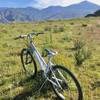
23	36
19	37
37	33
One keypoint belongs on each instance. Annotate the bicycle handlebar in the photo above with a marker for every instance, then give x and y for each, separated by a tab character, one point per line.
20	36
36	33
28	35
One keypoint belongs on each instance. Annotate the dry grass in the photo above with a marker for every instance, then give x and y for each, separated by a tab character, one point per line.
13	82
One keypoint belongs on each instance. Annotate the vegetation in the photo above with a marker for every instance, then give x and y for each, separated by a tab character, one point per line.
13	82
81	53
96	14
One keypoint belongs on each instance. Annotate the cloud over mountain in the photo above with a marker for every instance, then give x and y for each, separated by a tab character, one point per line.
46	3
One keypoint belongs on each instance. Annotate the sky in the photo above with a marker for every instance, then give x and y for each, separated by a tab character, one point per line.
40	3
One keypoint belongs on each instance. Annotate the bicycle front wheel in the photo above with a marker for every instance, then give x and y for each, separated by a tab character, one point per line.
28	62
67	86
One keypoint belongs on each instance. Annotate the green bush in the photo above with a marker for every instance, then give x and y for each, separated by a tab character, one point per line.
47	28
81	55
78	44
72	23
84	25
61	29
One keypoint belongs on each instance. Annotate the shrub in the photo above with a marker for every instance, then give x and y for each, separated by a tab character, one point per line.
71	23
78	44
61	29
84	25
47	28
81	55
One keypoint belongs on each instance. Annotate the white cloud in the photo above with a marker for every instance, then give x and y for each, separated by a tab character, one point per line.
95	1
46	3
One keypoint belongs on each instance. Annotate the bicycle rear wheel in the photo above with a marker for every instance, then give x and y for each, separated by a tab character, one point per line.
67	86
28	62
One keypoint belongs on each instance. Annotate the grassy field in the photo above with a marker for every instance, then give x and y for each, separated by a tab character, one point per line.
61	36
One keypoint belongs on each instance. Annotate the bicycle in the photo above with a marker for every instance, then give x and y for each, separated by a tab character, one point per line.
63	82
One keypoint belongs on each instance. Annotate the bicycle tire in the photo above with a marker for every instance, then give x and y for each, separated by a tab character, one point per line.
33	74
80	93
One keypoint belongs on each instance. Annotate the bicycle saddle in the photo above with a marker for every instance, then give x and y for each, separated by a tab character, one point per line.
50	52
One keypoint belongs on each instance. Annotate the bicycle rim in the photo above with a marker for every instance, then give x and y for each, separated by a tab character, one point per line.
68	87
28	63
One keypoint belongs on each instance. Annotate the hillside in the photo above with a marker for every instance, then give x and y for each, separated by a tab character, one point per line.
95	14
60	36
51	13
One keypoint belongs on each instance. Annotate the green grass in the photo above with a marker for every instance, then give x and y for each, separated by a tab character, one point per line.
12	78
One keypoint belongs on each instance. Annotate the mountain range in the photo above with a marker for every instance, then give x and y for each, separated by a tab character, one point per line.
51	13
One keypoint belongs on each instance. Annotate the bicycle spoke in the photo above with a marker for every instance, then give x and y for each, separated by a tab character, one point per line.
68	87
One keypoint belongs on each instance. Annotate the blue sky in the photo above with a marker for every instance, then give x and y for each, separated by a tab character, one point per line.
40	3
16	3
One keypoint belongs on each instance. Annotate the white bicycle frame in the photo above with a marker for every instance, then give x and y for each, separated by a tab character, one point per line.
38	56
43	65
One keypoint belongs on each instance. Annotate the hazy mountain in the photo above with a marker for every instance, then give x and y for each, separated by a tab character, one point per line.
19	14
52	12
72	11
84	5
